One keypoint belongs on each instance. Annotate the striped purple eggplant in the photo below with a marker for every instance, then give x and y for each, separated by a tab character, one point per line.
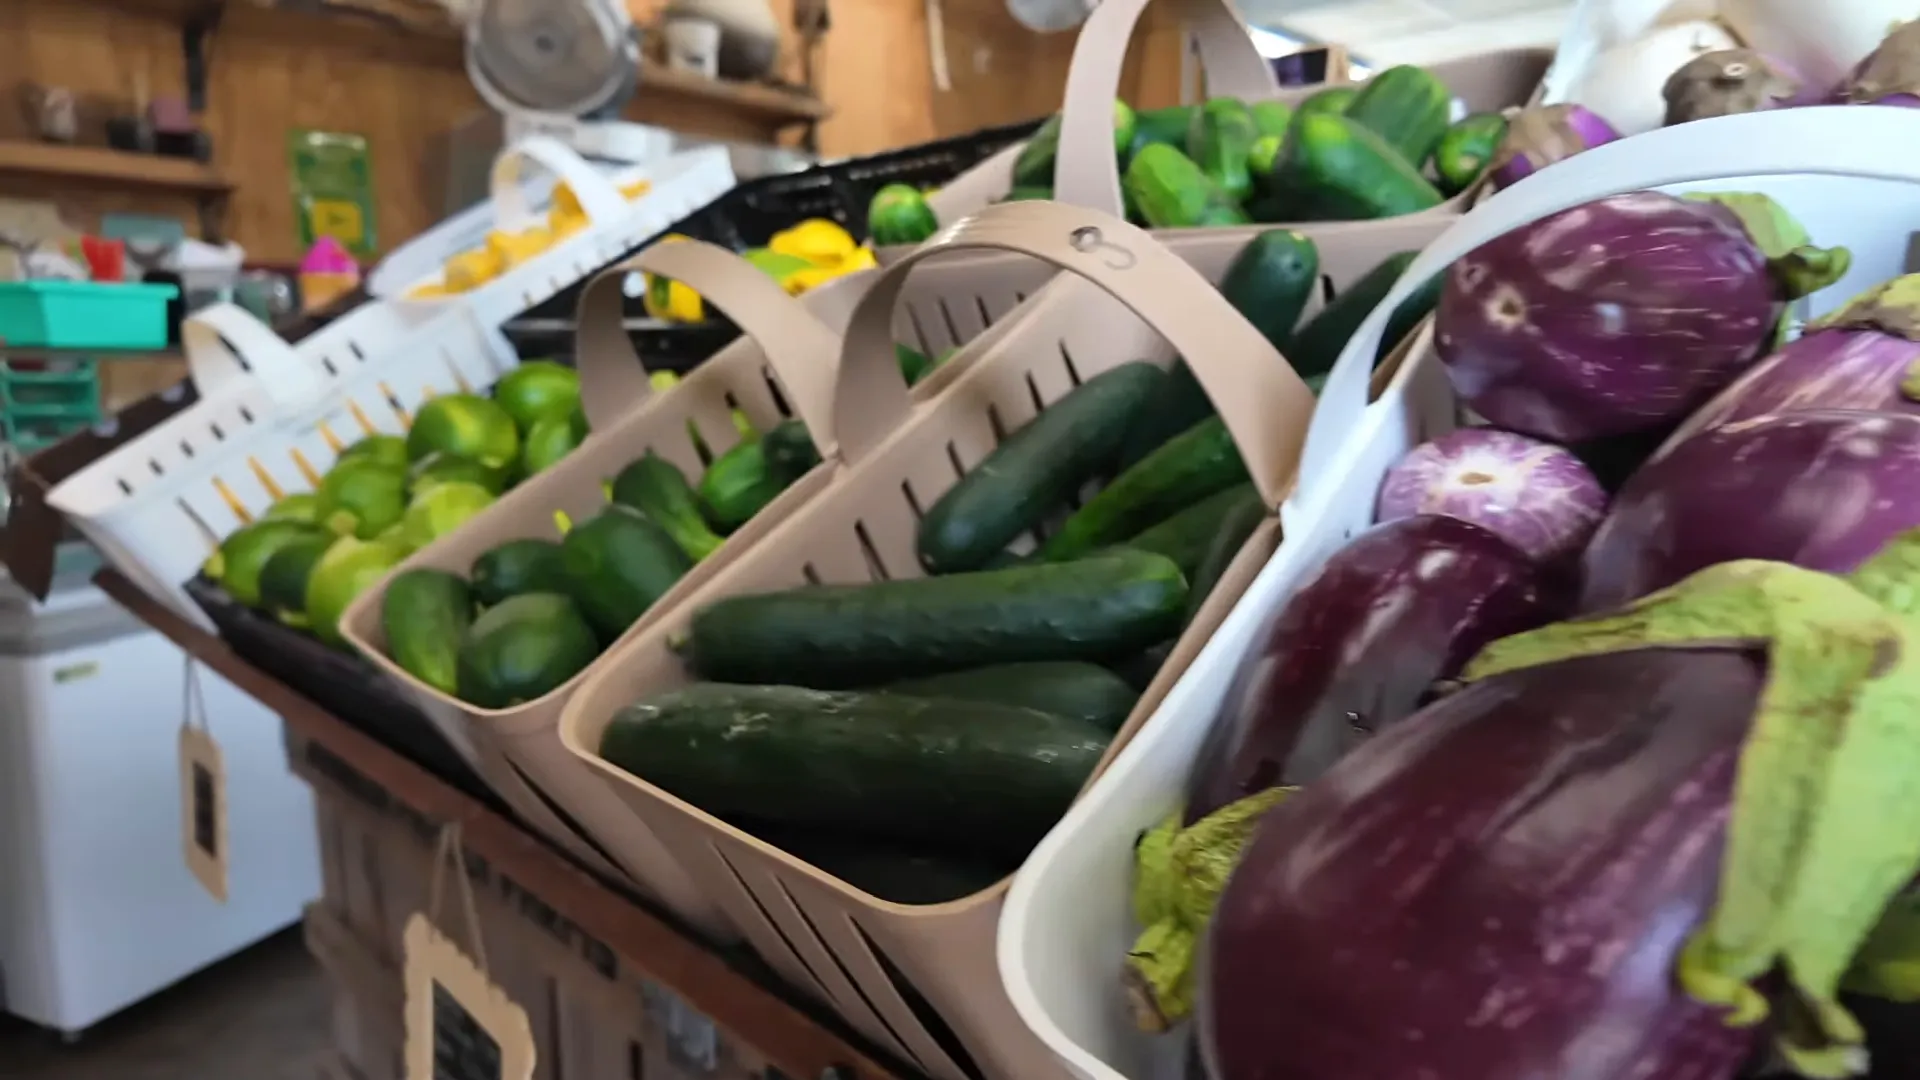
1544	134
1618	316
1497	889
1727	82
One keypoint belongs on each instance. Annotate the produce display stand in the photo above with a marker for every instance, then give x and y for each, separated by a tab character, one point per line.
1067	922
615	977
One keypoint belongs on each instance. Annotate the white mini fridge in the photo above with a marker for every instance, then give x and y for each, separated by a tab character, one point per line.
97	907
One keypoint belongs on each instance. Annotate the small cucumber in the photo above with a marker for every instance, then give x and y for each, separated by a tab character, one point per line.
523	649
1407	107
1036	470
951	775
515	567
657	488
737	486
1168	126
1271	117
425	615
1467	149
1345	172
1085	692
619	563
1241	519
1187	469
1184	537
1221	134
1270	282
1181	405
790	452
1321	340
1334	100
836	636
1172	192
1139	670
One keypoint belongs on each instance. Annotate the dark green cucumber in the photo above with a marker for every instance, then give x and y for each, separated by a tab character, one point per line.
1185	537
1270	282
1036	470
789	450
1182	404
914	364
1187	469
619	563
524	648
1029	193
1334	99
1271	117
835	636
1467	149
1172	192
1221	134
892	872
1167	126
515	567
658	489
1139	670
1405	106
950	775
1344	171
425	614
1082	691
1320	341
1033	167
1241	520
737	486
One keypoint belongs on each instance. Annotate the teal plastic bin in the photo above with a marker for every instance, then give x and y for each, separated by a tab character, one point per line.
83	315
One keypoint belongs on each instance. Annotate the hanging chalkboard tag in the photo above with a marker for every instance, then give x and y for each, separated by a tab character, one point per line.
460	1026
203	793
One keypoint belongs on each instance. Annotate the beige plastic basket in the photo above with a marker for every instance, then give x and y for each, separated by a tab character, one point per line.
782	365
867	958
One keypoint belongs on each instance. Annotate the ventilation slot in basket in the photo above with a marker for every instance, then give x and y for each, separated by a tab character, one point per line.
986	317
1327	291
636	1062
1073	370
953	458
920	340
913	501
565	819
556	1028
935	1026
773	391
876	566
998	425
813	576
953	328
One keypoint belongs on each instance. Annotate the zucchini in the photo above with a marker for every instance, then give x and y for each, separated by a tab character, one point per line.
1334	100
1467	149
837	636
1343	171
657	488
1320	342
1221	134
1270	282
1407	107
1086	692
952	775
1187	469
1172	192
1185	537
1241	519
1036	470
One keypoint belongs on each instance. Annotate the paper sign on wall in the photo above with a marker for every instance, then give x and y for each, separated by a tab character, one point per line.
203	794
459	1024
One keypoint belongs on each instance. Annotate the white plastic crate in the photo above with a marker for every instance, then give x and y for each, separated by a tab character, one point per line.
1067	923
616	225
270	420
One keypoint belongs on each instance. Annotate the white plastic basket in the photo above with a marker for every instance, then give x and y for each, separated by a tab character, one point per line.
1067	922
616	225
270	420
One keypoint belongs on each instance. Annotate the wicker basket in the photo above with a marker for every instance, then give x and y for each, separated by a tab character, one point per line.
867	958
782	366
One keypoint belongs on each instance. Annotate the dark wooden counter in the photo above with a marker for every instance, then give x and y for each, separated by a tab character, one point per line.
747	1011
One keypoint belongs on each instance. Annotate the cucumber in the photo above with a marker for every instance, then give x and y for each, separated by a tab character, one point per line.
1334	100
658	489
836	636
1184	537
887	871
1219	138
619	563
1343	171
1270	282
1167	126
1036	470
515	567
1033	167
1086	692
790	452
737	486
425	614
1271	117
1139	670
523	649
1406	107
1242	518
952	775
1172	192
1029	193
1190	467
1175	409
1467	149
1320	341
283	580
914	364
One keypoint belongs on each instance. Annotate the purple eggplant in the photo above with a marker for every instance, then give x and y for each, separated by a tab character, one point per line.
1727	82
1864	356
1537	496
1622	315
1544	134
1359	647
1821	489
1497	891
1890	74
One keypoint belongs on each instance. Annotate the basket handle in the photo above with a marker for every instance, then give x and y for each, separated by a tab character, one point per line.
224	344
1264	404
1085	172
598	198
799	346
1852	142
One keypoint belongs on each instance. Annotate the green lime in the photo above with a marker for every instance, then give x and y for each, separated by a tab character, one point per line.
441	509
464	425
536	389
552	438
438	468
362	497
389	449
302	507
348	569
237	565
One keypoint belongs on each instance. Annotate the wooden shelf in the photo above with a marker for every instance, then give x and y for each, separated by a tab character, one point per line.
114	167
751	97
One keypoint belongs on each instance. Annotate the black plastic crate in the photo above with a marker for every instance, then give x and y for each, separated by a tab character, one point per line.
750	213
339	682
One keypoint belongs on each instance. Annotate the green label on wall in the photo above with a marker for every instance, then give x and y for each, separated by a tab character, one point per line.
333	189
